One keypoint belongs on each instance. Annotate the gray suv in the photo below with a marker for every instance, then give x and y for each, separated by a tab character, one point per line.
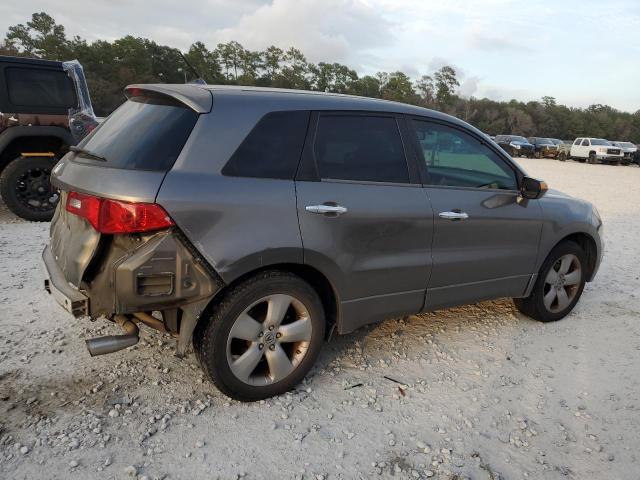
254	222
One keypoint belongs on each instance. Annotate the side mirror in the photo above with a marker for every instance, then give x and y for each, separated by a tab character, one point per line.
532	188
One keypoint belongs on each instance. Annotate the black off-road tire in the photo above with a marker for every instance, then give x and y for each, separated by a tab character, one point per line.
37	169
211	334
533	305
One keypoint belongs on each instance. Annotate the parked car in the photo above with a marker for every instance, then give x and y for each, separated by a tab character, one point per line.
515	145
564	148
595	150
255	221
543	147
628	151
44	109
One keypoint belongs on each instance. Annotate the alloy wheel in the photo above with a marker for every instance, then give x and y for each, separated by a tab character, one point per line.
562	283
269	339
34	190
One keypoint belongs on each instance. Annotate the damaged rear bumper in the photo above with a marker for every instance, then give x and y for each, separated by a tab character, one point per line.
130	275
68	297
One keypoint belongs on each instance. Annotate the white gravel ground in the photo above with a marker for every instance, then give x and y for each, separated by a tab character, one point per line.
488	393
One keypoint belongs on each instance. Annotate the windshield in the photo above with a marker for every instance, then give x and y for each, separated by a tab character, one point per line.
555	141
142	134
519	139
599	141
626	144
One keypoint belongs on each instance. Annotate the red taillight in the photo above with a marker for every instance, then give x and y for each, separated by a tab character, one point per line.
115	216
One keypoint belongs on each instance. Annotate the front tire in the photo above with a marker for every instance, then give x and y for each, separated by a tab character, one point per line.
263	336
592	158
559	284
26	189
562	156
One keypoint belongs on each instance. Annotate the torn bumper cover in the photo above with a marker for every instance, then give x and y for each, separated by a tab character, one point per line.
128	274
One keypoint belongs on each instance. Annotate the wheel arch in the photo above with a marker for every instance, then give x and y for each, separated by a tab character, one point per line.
314	277
588	244
16	140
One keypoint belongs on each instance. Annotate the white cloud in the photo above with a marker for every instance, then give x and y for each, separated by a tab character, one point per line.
329	30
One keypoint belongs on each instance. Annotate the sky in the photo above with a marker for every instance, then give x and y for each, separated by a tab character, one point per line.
581	52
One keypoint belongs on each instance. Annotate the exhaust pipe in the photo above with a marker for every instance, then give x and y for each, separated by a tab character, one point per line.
113	343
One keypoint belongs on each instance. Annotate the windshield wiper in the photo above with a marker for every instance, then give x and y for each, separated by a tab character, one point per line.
87	153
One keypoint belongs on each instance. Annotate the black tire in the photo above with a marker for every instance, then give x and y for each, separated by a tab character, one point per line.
537	155
581	160
592	158
562	156
533	305
212	334
26	189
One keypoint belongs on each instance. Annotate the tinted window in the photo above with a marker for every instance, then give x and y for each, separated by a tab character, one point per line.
30	87
142	134
272	149
358	147
577	142
457	159
585	143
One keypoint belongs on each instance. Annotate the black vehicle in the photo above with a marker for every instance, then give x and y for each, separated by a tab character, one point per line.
44	109
544	147
515	145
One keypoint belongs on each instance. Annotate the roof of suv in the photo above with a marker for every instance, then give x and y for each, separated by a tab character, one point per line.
30	61
280	98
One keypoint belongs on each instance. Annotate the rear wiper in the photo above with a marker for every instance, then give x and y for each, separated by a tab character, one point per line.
87	153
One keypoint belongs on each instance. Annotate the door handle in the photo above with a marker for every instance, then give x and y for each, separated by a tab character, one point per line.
453	215
335	210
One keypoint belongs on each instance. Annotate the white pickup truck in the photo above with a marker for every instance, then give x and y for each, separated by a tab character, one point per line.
595	150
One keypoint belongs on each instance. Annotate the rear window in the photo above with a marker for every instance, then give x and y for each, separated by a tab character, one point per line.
144	133
272	149
30	87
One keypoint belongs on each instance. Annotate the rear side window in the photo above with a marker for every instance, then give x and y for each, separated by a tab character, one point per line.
360	148
272	149
144	133
30	87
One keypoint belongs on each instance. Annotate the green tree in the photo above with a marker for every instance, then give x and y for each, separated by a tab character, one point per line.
40	37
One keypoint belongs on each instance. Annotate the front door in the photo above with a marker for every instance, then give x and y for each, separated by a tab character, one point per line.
366	222
486	238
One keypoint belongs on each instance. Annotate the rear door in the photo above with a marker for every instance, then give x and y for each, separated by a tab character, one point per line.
485	239
366	223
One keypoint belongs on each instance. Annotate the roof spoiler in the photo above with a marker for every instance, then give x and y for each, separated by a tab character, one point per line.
196	98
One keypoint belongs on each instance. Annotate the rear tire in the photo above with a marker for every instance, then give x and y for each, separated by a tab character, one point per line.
246	359
26	189
555	294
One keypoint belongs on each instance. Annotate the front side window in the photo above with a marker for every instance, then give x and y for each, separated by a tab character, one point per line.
31	87
456	159
360	148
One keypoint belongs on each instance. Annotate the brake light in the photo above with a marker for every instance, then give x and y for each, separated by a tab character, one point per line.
115	216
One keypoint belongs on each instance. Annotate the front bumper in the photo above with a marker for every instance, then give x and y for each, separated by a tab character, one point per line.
71	299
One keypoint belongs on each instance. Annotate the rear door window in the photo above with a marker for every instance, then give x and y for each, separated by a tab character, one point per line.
360	148
30	87
272	149
144	133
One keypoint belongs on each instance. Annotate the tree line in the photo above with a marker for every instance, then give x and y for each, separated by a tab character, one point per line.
110	66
